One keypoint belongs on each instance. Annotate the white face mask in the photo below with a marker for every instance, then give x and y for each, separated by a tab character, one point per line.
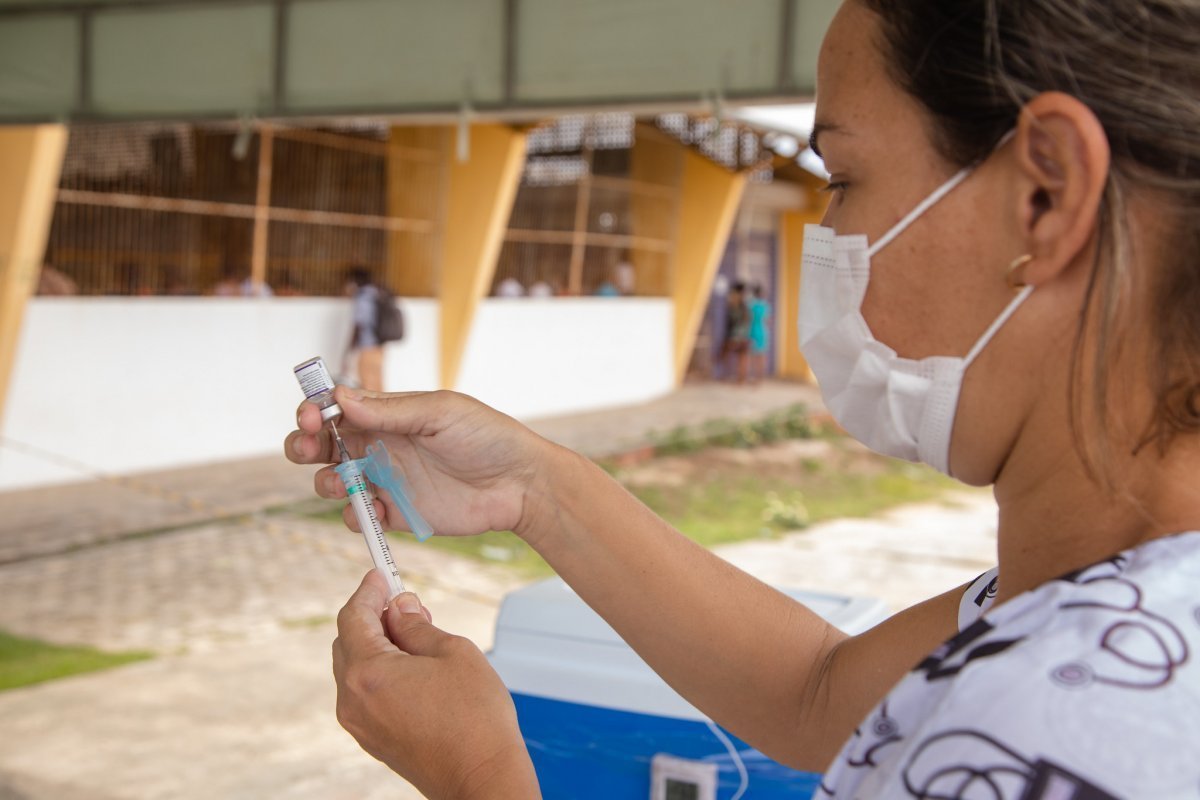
896	406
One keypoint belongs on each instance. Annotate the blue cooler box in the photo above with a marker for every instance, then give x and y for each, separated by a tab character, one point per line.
599	723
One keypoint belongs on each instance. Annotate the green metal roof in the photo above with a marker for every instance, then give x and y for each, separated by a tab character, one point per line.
187	59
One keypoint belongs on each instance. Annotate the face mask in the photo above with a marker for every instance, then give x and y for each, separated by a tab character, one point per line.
896	406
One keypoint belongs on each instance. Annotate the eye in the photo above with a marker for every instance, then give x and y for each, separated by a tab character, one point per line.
834	187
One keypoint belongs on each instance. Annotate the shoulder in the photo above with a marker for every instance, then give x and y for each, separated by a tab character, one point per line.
1088	685
1127	621
1091	678
979	596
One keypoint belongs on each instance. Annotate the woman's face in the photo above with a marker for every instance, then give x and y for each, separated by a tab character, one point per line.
936	288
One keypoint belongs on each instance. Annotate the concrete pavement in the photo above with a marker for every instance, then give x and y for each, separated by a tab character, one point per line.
103	508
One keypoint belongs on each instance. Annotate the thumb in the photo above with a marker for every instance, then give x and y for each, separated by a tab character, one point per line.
403	413
408	626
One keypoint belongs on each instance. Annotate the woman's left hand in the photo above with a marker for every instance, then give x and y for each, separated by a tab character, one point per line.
425	702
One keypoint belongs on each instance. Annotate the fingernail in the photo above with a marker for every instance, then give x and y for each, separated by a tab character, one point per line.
407	603
297	447
351	394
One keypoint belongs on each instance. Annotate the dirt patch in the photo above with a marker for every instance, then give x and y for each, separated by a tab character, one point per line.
782	461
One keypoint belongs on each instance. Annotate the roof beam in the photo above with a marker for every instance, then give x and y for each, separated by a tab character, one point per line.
130	60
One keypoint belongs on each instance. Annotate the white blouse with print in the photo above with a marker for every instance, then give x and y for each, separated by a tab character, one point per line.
1086	688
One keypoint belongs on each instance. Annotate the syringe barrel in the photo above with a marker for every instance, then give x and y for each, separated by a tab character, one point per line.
368	523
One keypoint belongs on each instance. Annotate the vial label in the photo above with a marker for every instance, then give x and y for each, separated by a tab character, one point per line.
314	378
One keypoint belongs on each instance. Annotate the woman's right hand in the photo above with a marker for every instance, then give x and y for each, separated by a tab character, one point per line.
469	468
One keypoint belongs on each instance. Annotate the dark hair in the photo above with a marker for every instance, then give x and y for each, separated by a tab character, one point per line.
359	275
973	64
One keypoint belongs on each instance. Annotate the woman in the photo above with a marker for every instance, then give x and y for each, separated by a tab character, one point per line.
760	334
1021	184
736	344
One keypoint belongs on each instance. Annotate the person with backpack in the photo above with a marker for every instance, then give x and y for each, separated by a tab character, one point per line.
376	321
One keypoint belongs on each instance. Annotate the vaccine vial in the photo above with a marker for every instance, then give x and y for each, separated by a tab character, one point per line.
317	385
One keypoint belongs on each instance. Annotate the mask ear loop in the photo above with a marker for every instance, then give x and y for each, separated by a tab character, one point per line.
996	325
1015	282
924	206
933	199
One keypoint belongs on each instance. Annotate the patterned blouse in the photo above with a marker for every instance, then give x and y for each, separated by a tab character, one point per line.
1085	688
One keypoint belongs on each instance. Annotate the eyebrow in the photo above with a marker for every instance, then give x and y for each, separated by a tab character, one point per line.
818	129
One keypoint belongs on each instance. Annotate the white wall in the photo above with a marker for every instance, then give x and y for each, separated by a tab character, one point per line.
533	357
129	384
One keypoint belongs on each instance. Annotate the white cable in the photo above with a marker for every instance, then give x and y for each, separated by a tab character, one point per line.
737	759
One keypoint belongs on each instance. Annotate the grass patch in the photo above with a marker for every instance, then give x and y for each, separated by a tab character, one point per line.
496	547
318	621
793	422
726	482
24	662
721	500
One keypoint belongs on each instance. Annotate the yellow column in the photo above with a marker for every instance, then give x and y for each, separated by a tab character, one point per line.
30	166
479	200
656	167
418	157
710	198
791	363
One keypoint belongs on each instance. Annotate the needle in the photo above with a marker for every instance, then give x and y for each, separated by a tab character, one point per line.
341	446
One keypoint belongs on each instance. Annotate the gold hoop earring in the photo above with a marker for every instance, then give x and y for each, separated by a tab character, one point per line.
1014	280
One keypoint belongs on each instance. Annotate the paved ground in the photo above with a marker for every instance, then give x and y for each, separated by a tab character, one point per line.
61	518
237	596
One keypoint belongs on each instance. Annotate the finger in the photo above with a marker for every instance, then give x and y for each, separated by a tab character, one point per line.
360	623
308	417
310	448
381	513
328	484
350	518
410	629
303	448
318	448
390	517
405	413
339	660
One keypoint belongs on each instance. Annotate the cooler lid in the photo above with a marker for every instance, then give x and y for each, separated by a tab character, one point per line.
550	608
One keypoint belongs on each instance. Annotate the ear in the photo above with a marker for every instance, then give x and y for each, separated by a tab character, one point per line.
1063	156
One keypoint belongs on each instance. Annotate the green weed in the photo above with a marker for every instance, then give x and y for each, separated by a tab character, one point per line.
24	662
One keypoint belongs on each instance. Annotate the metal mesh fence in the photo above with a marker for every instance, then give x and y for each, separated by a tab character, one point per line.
584	221
156	209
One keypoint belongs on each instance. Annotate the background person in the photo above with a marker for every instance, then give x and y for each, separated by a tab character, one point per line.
365	350
1018	310
760	334
56	283
735	346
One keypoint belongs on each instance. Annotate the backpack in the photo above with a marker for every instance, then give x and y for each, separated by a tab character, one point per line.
389	322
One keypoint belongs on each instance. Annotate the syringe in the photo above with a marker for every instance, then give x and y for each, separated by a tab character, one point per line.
317	385
368	521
